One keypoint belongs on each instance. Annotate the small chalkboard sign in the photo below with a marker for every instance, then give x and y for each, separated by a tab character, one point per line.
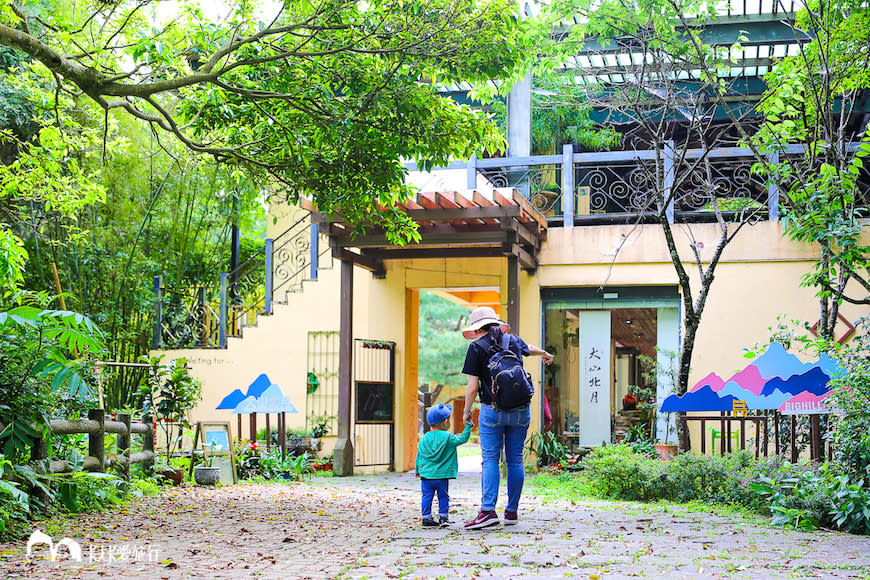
212	439
374	402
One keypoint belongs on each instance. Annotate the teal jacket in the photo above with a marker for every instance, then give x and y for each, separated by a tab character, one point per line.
436	454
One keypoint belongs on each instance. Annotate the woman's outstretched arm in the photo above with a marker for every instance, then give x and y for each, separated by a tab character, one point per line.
537	351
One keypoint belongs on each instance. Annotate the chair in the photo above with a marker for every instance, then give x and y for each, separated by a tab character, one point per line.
717	434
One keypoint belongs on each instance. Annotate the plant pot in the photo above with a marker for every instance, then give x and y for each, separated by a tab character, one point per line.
205	475
666	450
174	475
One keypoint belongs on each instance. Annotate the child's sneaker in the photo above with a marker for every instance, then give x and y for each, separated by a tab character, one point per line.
429	523
443	522
510	518
483	520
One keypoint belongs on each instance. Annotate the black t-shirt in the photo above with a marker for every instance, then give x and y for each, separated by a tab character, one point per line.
477	358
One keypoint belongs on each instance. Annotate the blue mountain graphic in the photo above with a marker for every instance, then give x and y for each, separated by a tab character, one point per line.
232	400
257	388
814	381
704	399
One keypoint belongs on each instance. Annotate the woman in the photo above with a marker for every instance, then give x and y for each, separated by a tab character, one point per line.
498	429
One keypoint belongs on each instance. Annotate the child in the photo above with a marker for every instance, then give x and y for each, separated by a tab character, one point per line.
437	462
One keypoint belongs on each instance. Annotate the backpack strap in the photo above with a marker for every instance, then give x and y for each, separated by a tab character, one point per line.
505	341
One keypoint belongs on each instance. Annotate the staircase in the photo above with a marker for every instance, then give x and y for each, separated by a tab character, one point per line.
205	317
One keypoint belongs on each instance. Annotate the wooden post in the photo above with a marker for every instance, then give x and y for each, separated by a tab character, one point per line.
97	441
239	430
268	433
703	437
343	453
148	444
776	450
124	445
792	439
729	434
817	453
757	424
282	434
742	433
252	423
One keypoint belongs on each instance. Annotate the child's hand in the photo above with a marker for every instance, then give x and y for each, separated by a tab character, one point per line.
469	422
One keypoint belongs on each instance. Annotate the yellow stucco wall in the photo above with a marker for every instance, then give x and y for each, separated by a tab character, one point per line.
757	280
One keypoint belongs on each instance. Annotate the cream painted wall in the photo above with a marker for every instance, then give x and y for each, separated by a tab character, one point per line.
757	280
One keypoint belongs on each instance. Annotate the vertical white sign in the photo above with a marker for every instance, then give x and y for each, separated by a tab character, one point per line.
667	341
594	412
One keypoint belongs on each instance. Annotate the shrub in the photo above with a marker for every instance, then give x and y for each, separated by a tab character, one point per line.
615	472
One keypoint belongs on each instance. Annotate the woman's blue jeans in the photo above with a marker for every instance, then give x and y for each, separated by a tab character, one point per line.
506	430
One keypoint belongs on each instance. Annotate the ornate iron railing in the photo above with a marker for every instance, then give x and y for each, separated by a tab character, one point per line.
189	317
620	186
204	317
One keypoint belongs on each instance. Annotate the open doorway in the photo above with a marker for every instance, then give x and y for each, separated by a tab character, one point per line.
443	313
600	347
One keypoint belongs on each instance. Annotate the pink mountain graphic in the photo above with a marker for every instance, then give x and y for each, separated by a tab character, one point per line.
805	403
712	380
749	379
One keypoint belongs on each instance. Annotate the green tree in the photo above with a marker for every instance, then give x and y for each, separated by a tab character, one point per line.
675	97
325	98
813	101
442	347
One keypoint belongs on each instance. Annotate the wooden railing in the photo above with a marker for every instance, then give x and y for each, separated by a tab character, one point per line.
96	426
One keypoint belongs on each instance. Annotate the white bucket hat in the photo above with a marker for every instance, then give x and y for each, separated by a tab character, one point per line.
481	317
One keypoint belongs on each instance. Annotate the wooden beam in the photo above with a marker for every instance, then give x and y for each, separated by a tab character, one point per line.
409	253
529	209
527	261
374	266
461	213
452	236
447	199
480	200
502	200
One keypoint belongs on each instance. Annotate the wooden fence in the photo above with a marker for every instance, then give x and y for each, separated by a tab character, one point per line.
96	426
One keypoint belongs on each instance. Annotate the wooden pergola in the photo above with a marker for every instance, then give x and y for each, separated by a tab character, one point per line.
452	224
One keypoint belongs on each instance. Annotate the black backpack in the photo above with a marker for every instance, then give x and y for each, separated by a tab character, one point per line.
511	385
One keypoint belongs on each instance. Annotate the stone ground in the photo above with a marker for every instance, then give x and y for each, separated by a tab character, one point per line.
368	527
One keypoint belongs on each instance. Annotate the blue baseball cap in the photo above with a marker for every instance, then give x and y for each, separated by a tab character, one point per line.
439	413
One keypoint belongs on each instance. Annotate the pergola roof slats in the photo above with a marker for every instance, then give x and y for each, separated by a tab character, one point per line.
451	224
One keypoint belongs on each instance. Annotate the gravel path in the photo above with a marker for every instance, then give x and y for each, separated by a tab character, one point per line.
367	527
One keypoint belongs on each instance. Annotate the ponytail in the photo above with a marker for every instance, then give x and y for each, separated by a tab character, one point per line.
494	331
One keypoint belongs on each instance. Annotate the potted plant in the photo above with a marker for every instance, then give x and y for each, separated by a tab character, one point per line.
167	393
647	403
208	474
